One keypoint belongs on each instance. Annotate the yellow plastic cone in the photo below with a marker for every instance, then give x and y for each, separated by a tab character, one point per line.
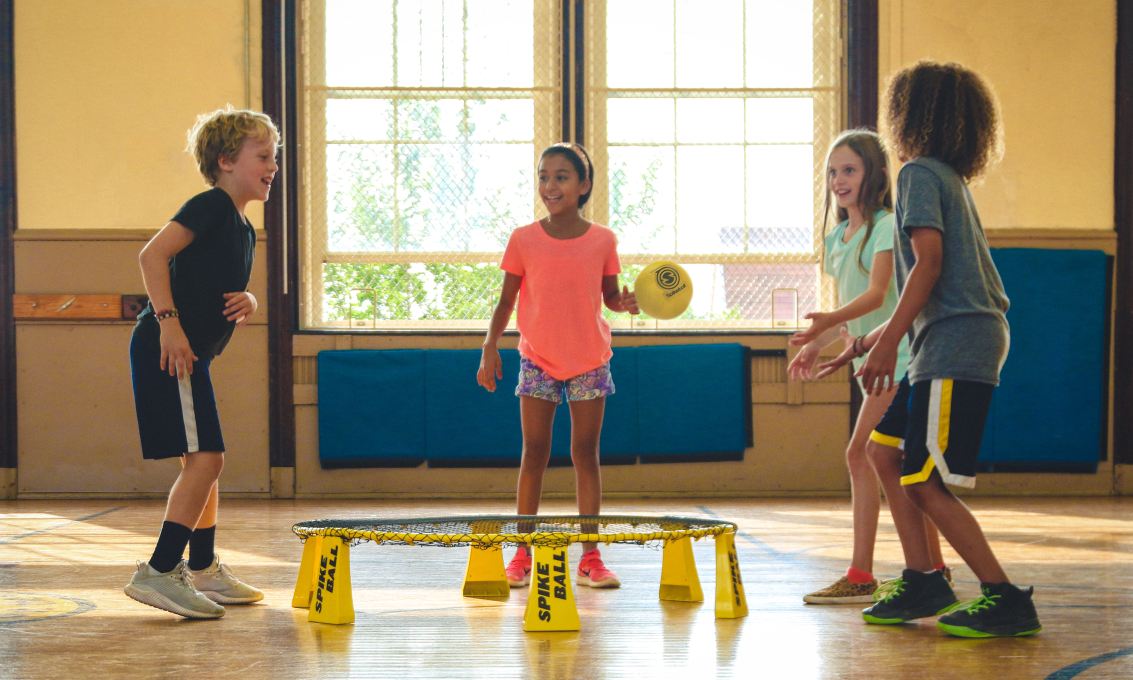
731	603
485	575
308	576
679	580
333	601
550	606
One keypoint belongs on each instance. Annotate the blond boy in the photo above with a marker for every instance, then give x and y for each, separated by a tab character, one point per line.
196	272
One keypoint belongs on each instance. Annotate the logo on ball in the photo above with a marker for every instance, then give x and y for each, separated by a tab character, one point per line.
667	278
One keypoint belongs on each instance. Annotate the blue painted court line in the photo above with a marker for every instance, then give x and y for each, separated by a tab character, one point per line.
1074	669
59	525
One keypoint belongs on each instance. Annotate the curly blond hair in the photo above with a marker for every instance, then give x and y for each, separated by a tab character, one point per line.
944	111
222	133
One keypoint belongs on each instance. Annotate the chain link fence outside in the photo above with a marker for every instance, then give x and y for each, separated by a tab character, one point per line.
423	120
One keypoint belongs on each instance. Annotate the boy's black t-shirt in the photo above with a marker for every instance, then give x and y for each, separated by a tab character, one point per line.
218	261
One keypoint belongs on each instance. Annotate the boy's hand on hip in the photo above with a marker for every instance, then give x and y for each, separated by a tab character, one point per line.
240	307
491	368
176	355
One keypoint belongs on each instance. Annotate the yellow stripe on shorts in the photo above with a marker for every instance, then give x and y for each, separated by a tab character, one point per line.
945	414
940	416
885	440
921	476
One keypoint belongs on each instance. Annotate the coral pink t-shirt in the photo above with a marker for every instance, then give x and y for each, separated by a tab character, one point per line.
560	320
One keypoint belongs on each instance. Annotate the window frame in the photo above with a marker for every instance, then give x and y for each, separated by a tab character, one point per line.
859	107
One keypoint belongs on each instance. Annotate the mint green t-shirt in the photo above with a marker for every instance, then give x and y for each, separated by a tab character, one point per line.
842	265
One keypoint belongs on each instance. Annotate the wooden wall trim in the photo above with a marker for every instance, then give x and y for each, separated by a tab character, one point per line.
1123	222
861	63
142	235
8	435
278	101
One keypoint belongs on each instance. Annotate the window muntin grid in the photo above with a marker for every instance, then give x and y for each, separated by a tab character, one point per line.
421	135
712	142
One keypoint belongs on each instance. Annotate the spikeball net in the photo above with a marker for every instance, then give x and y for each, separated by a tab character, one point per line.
486	531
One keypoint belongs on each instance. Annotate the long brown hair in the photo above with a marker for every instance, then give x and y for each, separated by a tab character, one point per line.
944	111
874	193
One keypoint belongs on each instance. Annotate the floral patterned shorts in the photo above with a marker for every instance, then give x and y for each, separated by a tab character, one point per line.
535	382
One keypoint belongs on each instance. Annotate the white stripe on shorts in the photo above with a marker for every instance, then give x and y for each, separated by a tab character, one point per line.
188	414
939	404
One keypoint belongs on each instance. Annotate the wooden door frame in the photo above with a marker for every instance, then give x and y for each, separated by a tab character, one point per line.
1123	224
281	224
9	440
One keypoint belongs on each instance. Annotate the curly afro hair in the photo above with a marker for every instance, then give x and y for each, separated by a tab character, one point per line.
944	111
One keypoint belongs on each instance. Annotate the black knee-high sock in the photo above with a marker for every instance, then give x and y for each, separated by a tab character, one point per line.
201	546
170	546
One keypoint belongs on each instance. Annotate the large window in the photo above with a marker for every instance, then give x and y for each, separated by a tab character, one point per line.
423	120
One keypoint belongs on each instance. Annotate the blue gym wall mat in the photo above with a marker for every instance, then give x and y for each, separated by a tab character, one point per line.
397	408
1047	410
372	408
466	424
691	400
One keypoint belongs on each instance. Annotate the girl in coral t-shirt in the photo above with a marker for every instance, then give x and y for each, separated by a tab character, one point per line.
562	268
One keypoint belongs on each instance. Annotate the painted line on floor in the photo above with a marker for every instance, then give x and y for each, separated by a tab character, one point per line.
752	539
60	525
25	607
1074	669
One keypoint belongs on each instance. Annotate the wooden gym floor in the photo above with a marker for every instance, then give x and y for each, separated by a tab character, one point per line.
71	559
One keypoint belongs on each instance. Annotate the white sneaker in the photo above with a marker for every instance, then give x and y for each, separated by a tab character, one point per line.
219	585
173	592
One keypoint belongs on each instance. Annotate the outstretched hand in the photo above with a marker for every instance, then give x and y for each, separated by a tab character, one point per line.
802	365
877	372
820	322
848	354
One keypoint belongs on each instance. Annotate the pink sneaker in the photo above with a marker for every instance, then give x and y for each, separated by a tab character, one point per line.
591	572
519	570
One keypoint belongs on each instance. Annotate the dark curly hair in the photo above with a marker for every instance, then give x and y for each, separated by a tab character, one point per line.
943	111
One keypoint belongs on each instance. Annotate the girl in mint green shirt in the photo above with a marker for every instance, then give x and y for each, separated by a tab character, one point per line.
858	254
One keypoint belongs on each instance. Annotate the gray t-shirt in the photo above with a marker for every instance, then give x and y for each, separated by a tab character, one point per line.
962	331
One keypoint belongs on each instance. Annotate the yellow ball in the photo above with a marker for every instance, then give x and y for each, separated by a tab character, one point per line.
663	289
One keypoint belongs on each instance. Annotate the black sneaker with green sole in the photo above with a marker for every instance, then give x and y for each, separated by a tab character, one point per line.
915	595
1004	610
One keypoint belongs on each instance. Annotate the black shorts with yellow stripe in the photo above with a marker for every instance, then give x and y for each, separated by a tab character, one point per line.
939	424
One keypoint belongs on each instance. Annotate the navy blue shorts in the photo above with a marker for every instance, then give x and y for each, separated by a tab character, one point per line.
939	424
174	416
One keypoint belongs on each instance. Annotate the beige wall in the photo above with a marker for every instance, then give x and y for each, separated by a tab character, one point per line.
77	429
1051	63
105	93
